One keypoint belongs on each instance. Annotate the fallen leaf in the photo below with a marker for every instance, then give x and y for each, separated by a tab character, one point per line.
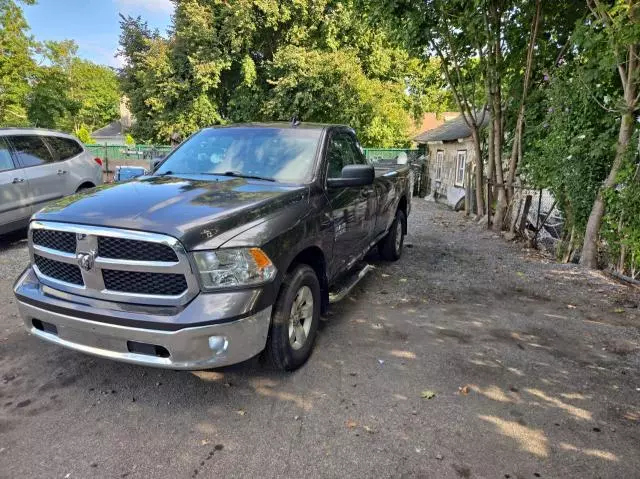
242	412
571	306
403	280
368	429
426	394
439	457
464	389
204	442
520	273
351	424
618	310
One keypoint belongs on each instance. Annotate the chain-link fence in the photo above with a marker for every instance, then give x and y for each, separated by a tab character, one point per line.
115	156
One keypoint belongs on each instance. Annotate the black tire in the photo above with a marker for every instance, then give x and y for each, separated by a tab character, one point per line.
83	188
279	351
389	248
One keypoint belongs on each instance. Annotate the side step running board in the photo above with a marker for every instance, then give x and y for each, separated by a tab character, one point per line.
347	283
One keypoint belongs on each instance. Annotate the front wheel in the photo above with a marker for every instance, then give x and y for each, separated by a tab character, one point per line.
390	247
295	319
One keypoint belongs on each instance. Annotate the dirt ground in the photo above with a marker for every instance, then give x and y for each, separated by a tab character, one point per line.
469	358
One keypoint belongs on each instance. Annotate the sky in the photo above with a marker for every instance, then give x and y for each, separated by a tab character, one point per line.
93	24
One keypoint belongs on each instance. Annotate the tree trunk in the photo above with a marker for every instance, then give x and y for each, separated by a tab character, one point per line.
498	132
589	256
568	254
479	172
516	148
501	203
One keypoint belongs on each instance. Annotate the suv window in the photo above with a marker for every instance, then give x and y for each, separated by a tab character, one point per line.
63	148
31	150
341	153
6	162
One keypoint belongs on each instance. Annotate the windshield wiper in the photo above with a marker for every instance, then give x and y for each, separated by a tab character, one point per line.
238	174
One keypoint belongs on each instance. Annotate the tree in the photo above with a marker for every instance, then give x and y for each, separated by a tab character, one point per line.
614	30
331	87
96	90
454	32
68	92
17	66
48	102
232	61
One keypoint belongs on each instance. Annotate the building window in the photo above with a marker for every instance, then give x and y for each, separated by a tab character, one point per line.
461	163
439	162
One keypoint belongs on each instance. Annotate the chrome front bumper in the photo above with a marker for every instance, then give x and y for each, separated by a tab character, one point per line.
201	347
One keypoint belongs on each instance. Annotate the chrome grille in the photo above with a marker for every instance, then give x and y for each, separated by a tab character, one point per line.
112	264
58	240
122	248
144	283
58	270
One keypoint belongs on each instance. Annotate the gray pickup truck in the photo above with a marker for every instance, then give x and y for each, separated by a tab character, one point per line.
234	245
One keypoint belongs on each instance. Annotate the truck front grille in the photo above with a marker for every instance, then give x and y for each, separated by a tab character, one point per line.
58	240
66	272
166	284
112	264
122	248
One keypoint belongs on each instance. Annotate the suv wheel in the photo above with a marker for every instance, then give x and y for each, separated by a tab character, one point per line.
390	247
295	318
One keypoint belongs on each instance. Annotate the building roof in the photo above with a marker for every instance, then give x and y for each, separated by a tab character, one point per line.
451	130
111	130
431	120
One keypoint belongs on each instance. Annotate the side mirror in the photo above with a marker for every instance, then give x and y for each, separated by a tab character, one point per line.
155	162
353	175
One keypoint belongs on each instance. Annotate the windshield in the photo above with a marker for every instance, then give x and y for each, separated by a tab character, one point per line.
284	155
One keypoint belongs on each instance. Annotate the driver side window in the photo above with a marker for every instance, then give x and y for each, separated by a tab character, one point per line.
340	154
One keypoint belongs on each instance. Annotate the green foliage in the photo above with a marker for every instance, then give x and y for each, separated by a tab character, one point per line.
568	144
621	225
84	136
17	67
96	91
46	84
247	61
128	140
332	87
68	91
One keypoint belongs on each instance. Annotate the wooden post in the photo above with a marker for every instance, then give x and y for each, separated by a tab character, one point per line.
489	201
525	214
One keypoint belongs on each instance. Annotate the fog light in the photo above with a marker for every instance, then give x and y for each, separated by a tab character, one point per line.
218	344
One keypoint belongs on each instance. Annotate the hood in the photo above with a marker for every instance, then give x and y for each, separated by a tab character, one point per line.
193	209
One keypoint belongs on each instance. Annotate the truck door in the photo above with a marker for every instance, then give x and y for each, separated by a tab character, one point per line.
349	205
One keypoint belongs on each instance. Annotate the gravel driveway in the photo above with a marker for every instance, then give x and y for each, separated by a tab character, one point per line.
468	358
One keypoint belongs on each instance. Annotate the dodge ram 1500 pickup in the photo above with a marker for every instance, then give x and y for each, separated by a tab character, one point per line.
231	246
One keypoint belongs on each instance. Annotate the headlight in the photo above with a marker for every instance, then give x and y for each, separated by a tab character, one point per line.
226	268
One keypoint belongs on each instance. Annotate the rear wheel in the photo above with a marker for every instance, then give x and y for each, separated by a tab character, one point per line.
390	247
294	322
84	187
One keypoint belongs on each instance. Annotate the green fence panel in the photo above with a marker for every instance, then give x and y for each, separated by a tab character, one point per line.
123	155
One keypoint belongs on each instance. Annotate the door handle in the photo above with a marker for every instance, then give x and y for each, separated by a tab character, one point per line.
62	172
17	180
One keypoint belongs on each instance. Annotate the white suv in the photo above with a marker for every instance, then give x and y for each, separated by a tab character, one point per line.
38	166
